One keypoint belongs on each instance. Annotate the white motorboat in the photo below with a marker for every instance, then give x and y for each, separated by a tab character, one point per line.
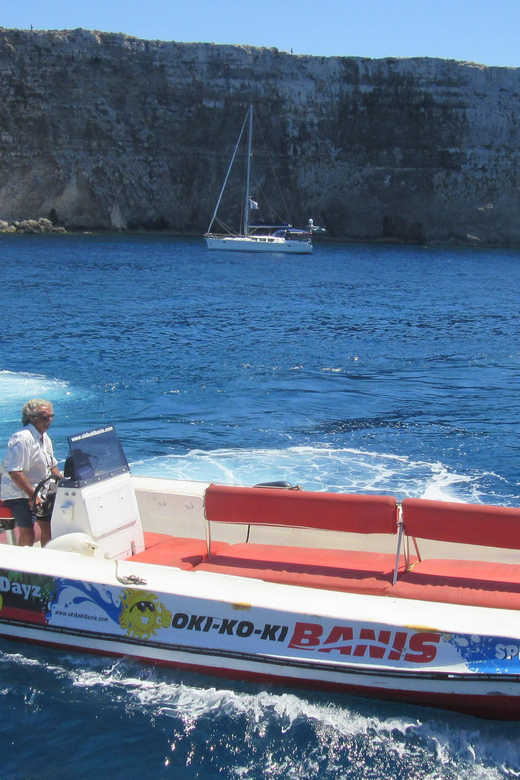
257	236
415	601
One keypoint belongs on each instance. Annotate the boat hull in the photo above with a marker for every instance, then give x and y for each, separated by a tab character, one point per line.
489	701
228	626
260	244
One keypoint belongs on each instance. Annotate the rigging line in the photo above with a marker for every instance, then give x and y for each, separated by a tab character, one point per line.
225	227
272	210
227	174
273	168
244	187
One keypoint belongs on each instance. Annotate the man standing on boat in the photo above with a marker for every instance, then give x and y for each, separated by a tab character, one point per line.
28	460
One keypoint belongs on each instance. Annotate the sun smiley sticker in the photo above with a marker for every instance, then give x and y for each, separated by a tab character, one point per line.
142	613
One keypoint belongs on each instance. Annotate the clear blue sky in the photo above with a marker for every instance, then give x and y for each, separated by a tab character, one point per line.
484	31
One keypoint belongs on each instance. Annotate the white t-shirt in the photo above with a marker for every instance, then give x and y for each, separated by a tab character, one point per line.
30	452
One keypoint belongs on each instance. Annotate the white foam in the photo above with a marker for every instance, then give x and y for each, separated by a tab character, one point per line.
447	745
16	388
259	723
317	468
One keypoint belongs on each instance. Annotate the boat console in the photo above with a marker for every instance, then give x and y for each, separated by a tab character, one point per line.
96	496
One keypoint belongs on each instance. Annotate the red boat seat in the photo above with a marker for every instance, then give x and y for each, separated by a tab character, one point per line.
7	522
447	521
472	583
301	509
166	550
5	512
340	570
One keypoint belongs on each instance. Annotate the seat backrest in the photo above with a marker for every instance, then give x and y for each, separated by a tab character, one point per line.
301	509
446	521
7	522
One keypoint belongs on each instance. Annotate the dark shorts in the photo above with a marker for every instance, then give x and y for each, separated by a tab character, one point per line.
22	512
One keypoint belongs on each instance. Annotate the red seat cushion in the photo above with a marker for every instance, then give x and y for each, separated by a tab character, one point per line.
5	512
151	539
473	583
175	551
349	571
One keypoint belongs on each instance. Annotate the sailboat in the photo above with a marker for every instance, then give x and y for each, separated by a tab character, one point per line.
257	236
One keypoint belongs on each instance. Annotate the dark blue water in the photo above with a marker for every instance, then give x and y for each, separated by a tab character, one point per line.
388	369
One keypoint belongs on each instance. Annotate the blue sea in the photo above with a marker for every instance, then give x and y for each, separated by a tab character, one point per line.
359	368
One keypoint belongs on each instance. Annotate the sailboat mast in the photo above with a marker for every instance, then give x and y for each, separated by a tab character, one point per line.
227	174
247	208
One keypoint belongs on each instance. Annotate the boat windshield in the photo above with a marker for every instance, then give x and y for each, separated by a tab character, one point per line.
94	456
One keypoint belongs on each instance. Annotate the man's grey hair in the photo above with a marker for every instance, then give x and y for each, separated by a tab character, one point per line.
30	409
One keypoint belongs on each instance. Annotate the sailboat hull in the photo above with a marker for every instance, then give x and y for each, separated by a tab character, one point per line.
259	244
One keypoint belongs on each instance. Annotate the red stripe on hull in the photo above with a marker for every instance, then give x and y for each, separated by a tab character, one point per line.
23	615
488	706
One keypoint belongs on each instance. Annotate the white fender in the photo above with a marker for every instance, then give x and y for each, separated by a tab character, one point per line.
81	544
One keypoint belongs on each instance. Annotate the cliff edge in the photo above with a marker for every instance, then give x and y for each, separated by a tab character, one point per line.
105	131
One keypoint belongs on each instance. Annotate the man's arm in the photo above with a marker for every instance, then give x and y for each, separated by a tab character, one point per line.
21	481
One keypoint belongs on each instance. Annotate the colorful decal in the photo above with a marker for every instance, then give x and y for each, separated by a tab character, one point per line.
142	613
84	605
487	654
355	641
152	619
24	597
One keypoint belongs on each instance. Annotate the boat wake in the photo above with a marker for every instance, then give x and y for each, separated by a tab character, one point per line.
325	469
244	731
320	468
16	388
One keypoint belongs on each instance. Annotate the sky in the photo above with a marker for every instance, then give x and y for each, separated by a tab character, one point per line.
482	31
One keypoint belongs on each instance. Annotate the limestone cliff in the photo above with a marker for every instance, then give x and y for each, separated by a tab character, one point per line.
100	130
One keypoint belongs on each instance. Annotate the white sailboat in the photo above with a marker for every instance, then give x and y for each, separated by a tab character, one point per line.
257	236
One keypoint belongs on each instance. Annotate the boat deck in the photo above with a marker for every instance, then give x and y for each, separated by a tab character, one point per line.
368	556
469	582
423	550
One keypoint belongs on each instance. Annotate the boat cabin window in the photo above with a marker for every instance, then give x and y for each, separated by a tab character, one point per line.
94	456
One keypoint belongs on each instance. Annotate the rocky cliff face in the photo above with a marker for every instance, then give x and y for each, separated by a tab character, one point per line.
100	130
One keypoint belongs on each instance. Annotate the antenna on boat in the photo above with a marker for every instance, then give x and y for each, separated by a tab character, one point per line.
248	173
312	228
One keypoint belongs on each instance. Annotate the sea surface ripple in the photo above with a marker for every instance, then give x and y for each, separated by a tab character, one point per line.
359	368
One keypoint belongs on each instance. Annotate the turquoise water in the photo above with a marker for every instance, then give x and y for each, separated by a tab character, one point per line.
387	369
